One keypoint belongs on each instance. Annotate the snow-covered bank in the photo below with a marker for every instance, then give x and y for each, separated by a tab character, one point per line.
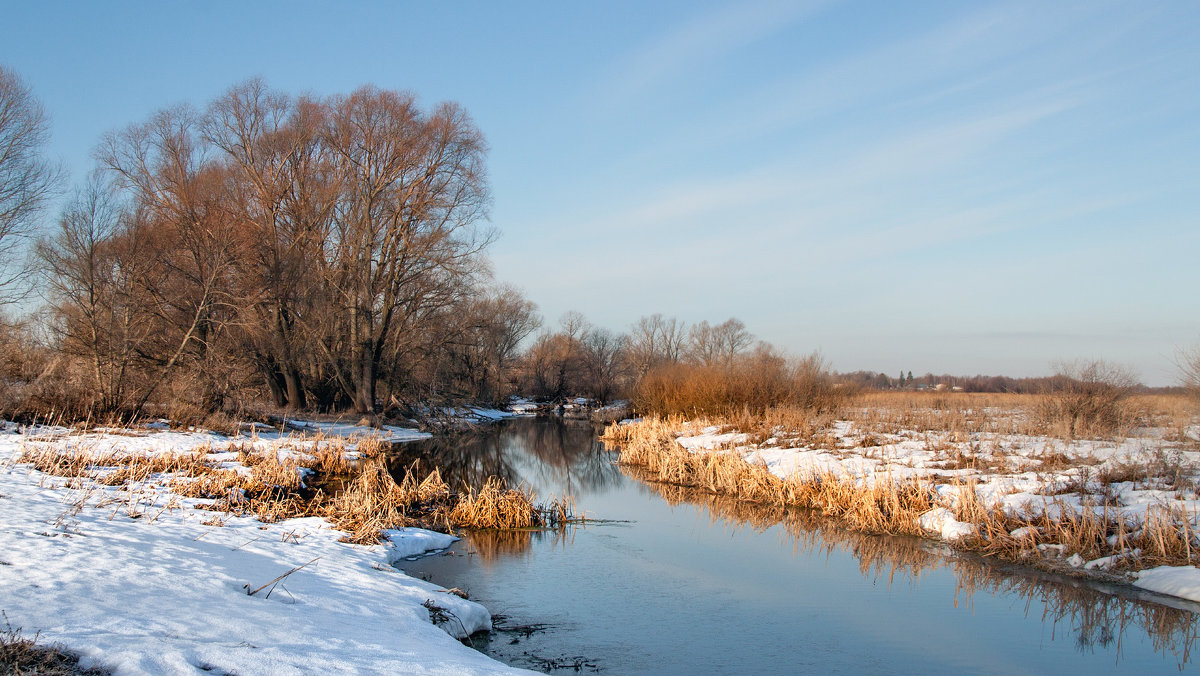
138	580
1105	508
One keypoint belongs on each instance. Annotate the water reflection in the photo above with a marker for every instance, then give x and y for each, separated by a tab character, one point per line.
1096	615
493	545
578	581
550	456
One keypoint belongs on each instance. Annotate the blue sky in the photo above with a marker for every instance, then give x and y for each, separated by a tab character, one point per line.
959	187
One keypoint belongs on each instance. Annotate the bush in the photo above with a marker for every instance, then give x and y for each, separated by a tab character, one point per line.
752	384
1087	400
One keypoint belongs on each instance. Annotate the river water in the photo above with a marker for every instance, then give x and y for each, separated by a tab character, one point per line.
674	581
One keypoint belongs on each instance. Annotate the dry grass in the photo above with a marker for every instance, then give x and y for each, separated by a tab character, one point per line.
957	415
1088	400
893	506
874	507
495	506
21	655
368	502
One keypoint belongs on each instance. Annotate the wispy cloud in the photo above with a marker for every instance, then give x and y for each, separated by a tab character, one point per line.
971	59
823	188
702	40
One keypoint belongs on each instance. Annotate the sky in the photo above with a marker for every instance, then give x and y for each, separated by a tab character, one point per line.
945	187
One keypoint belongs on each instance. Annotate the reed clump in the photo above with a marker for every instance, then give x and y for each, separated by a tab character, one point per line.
20	654
369	501
1096	530
869	506
494	506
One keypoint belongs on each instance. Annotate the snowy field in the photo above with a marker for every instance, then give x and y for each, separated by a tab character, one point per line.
135	579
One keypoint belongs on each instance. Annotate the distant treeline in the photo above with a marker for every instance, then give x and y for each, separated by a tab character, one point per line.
977	383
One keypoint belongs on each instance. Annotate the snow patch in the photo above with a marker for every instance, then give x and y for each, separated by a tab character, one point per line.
410	542
941	521
1181	581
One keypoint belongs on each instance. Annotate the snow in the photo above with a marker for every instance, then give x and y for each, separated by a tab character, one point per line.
941	521
523	407
1018	473
710	438
388	433
147	584
1107	562
1181	581
407	543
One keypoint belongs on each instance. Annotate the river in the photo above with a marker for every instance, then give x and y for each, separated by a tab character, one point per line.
673	581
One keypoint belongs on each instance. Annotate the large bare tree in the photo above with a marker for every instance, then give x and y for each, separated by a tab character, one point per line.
329	244
285	197
412	187
186	224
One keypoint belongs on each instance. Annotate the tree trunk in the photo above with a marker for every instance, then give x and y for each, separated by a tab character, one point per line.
364	389
294	392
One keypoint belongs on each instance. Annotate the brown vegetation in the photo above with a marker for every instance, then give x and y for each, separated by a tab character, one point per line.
365	502
21	655
1087	400
878	507
884	504
325	252
746	383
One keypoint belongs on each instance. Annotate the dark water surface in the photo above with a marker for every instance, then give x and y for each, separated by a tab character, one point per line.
679	582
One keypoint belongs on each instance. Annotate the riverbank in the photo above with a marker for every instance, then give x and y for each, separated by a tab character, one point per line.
1122	509
126	567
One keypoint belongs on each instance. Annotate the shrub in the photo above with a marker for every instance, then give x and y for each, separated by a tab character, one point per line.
751	384
1087	399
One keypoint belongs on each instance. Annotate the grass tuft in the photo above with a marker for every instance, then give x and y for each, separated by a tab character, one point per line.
23	655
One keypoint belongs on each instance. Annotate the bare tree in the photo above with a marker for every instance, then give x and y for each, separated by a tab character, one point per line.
330	246
656	341
412	186
512	319
27	179
186	224
604	362
89	288
283	194
718	345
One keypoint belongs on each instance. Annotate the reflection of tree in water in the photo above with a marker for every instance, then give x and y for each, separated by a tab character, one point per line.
562	457
491	545
1096	614
464	459
562	454
545	452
